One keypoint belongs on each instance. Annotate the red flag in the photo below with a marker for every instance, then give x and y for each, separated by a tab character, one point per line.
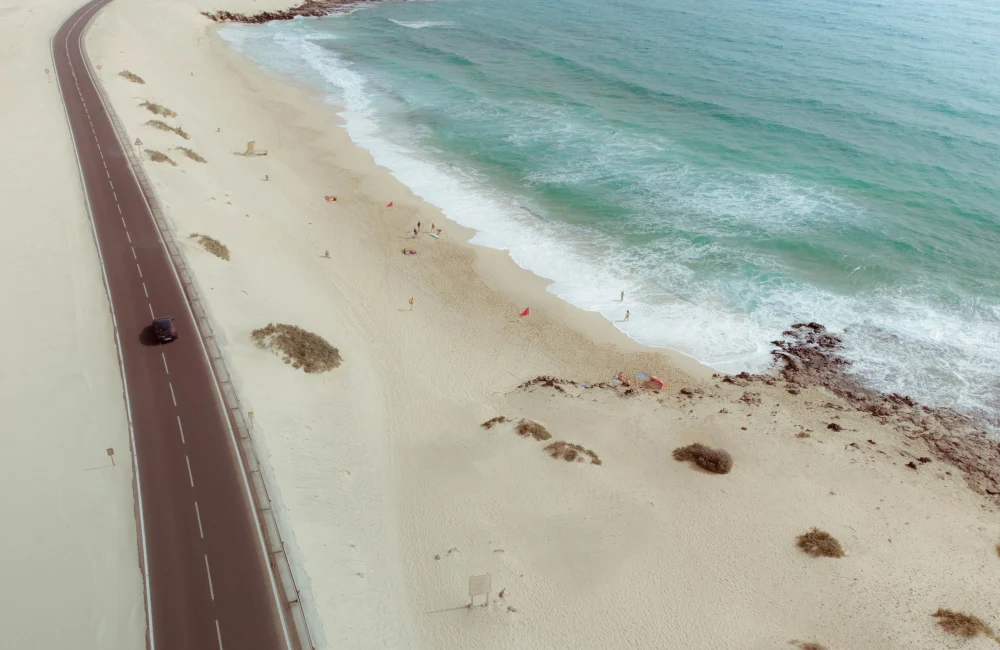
526	311
390	204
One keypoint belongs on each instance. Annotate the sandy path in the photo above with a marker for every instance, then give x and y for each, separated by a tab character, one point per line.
380	465
70	565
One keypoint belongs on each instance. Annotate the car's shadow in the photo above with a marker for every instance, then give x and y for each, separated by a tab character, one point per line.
148	336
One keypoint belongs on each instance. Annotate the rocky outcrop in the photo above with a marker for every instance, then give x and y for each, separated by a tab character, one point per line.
308	9
810	355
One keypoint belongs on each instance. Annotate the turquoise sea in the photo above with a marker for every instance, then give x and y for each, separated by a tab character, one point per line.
733	165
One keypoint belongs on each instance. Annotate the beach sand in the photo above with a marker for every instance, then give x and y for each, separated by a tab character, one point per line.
390	493
70	568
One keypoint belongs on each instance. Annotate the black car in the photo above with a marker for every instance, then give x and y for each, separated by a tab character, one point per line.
164	328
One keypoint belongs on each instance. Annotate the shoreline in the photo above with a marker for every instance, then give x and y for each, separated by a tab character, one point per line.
396	494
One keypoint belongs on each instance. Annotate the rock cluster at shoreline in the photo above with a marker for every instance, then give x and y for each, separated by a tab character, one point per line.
308	9
810	355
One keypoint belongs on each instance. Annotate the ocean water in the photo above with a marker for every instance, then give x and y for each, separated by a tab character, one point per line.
733	165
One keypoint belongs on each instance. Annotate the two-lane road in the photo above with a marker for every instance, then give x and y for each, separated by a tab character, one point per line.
208	582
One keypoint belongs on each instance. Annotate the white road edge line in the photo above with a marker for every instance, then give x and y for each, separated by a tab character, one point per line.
165	368
197	513
172	396
181	429
211	591
118	343
187	459
279	603
219	633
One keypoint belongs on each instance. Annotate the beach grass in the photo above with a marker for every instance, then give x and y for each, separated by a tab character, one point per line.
159	156
131	76
819	543
961	624
163	126
492	422
190	153
157	109
717	461
298	347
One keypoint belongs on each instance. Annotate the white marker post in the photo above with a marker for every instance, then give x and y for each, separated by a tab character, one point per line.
138	143
111	452
479	586
47	75
99	67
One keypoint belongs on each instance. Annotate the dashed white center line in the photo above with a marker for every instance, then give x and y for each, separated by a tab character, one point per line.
137	264
190	475
133	253
151	314
123	218
219	633
116	196
103	162
165	368
181	429
197	513
129	237
172	396
111	184
120	210
144	289
108	173
209	572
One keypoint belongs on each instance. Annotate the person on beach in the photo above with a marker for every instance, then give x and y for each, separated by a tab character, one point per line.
414	232
623	297
418	225
627	314
439	232
432	227
411	303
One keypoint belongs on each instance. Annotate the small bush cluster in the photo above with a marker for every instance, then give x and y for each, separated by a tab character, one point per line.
717	461
298	347
819	543
157	109
492	422
213	246
131	76
529	428
157	156
163	126
571	452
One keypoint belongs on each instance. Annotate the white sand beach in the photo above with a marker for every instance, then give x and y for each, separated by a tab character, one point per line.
391	495
70	569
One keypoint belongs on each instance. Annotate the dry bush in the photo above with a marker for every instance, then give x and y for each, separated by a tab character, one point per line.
533	429
717	461
298	347
809	645
571	452
191	154
157	156
213	246
963	625
802	434
131	76
998	550
157	109
492	422
163	126
819	543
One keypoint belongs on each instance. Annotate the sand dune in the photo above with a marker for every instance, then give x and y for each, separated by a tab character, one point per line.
391	493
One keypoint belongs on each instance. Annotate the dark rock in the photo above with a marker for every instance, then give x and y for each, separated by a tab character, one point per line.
833	426
308	9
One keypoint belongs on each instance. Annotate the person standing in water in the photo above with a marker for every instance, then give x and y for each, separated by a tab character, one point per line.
627	314
623	297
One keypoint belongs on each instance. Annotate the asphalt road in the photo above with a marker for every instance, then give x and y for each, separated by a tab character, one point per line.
208	583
